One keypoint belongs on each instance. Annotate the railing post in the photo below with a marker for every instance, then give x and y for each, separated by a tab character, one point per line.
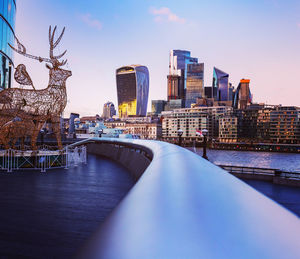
66	157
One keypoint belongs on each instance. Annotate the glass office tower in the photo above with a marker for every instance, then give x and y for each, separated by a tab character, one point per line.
194	83
132	90
220	85
7	25
177	78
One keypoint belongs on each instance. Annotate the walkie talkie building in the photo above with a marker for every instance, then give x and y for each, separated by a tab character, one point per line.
133	90
7	25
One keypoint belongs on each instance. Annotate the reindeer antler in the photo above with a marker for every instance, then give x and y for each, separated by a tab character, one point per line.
53	45
53	59
22	50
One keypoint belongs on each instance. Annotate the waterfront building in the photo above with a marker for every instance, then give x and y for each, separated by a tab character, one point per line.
174	104
220	85
285	124
247	124
108	110
132	90
263	124
228	129
191	119
157	106
144	130
194	83
188	120
7	25
115	124
243	95
138	119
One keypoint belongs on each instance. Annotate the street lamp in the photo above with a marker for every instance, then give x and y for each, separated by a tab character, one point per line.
100	132
204	132
180	132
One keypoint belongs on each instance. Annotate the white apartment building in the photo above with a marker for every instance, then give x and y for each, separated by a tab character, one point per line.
191	119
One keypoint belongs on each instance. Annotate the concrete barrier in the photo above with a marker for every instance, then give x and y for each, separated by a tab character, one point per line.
185	207
131	157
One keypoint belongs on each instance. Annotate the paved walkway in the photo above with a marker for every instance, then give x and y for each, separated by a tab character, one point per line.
51	215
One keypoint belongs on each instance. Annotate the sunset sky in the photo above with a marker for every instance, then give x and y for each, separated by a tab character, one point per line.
255	39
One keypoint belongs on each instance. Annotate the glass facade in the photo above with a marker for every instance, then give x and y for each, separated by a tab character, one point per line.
220	85
194	83
133	90
7	25
179	60
158	106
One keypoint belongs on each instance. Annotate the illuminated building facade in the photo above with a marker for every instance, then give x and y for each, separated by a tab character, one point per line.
220	87
132	90
7	25
228	129
285	124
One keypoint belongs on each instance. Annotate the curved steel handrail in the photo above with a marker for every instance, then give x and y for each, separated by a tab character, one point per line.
185	207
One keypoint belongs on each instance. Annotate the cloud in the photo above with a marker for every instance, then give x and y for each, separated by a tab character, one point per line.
165	14
91	22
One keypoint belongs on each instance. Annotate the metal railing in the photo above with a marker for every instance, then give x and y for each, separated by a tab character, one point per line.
42	159
260	171
186	207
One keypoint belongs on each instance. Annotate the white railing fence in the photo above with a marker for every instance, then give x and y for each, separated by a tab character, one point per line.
43	159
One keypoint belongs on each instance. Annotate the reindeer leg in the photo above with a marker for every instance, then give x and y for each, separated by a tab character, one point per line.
35	134
56	131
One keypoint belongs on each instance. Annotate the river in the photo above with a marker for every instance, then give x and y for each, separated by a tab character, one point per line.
283	161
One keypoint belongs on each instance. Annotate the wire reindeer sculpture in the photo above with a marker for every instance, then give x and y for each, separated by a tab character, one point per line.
33	108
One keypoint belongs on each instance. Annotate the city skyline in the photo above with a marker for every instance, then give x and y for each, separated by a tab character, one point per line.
99	41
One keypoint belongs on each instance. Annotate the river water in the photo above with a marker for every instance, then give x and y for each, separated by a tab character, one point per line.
284	161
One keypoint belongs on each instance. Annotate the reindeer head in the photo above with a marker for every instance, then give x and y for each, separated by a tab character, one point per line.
53	60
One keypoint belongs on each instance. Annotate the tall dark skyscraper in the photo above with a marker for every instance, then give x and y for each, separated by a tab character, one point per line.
194	83
185	79
243	95
220	85
7	25
132	90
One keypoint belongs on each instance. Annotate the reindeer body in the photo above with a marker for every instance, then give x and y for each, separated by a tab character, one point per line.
36	107
51	100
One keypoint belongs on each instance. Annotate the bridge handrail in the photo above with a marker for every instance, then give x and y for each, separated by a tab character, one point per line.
186	207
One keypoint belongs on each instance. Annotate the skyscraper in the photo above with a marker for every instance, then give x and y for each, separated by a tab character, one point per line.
108	110
7	25
132	90
178	76
220	89
242	95
179	59
194	83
